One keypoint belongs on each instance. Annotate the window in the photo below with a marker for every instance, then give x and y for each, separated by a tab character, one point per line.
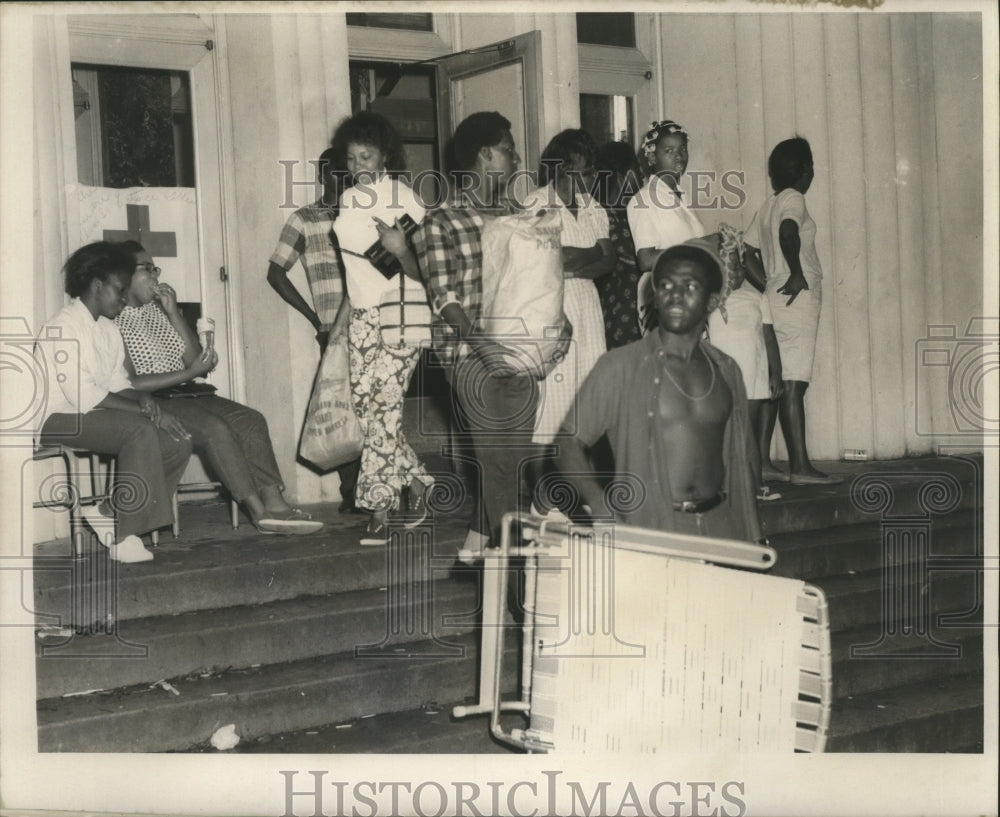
133	126
615	74
607	117
406	22
606	28
406	97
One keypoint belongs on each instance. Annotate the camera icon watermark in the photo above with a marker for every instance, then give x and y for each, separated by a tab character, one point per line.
965	368
30	367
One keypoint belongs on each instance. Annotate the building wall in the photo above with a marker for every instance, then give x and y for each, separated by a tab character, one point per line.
892	106
287	76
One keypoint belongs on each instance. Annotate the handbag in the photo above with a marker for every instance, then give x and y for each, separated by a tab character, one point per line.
332	435
192	388
383	260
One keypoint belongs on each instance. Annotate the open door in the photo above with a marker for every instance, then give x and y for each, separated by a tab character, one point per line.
503	77
177	216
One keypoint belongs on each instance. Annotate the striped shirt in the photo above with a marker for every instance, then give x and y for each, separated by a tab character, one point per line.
450	251
307	237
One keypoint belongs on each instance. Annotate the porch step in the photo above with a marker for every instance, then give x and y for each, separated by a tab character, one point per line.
836	550
933	716
260	631
898	660
263	700
231	569
857	601
206	641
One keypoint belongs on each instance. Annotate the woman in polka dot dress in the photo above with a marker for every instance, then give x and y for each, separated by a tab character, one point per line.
162	351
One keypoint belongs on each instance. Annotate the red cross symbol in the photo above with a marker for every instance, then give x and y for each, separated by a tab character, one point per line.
163	245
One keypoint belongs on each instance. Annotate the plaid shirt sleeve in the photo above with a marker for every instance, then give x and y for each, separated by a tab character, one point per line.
291	243
435	246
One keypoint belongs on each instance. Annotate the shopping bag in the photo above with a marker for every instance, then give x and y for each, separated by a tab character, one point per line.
332	433
523	290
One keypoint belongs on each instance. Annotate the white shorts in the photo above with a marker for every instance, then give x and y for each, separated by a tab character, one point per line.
795	328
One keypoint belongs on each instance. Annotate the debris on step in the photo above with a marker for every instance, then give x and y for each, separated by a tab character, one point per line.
225	737
166	686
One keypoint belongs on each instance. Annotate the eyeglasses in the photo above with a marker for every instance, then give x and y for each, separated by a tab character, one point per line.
150	268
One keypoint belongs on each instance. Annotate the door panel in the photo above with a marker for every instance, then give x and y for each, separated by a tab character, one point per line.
184	223
177	43
502	77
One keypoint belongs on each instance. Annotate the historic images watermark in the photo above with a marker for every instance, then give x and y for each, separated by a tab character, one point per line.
549	795
705	189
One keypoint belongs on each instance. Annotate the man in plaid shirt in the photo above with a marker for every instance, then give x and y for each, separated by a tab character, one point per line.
499	406
307	237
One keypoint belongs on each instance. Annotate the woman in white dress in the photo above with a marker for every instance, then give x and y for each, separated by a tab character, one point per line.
565	176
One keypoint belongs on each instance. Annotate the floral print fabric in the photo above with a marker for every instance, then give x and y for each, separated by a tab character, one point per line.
619	288
380	375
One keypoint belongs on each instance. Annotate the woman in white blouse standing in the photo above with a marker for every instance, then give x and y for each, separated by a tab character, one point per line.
372	213
658	216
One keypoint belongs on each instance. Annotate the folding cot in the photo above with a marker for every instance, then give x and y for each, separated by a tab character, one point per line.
641	641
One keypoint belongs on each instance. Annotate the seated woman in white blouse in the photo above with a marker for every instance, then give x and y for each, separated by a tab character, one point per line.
162	351
91	405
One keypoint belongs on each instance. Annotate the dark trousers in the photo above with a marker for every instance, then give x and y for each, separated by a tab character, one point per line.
150	462
233	439
349	478
499	416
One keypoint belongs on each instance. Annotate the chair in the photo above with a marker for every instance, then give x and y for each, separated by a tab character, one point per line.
69	496
706	677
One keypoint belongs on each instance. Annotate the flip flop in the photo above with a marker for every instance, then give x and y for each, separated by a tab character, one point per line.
290	527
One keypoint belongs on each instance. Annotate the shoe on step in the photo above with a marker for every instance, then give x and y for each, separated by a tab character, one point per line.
130	550
377	533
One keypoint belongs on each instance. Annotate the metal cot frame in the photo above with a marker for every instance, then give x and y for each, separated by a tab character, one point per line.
537	535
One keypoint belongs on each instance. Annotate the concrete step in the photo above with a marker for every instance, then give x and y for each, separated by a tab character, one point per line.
266	700
860	600
879	491
207	641
943	715
836	550
211	566
900	660
428	730
228	568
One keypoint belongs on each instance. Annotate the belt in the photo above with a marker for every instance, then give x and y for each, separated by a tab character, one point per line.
700	505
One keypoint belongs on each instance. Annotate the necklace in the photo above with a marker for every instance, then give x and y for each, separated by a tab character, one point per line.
678	386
